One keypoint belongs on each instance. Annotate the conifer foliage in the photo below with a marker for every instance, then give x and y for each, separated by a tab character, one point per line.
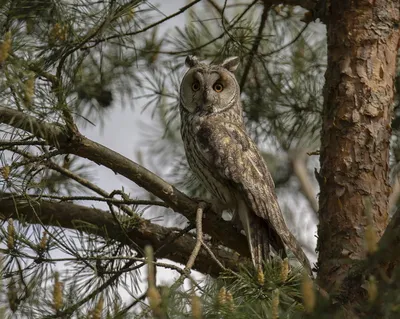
318	82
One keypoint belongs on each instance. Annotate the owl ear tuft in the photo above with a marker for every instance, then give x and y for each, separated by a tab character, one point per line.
191	61
231	63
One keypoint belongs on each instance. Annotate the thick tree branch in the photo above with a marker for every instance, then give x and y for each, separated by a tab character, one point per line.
79	145
142	232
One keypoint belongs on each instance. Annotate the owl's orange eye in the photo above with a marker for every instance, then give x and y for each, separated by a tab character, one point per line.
218	87
195	86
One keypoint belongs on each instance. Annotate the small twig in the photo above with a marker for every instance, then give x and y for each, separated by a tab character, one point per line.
168	241
71	309
316	152
199	236
221	35
124	208
123	312
213	256
300	170
256	43
5	143
219	10
151	269
134	244
31	158
101	199
395	194
226	30
84	182
181	10
287	44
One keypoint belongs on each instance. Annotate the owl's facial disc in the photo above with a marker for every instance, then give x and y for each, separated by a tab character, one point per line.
207	91
209	87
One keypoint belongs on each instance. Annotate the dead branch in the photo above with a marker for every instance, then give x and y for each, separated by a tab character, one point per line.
199	237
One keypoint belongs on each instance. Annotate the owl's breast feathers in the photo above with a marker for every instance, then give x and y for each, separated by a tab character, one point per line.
237	160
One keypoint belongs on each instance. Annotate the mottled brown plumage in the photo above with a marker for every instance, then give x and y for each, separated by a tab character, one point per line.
227	161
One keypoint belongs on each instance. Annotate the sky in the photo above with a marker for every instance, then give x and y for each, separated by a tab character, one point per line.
123	129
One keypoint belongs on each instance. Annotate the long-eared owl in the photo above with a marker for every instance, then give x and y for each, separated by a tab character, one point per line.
227	161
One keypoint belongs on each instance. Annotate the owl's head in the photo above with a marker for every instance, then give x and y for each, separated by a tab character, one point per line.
209	88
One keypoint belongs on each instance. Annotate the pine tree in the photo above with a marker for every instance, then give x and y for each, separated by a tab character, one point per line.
318	80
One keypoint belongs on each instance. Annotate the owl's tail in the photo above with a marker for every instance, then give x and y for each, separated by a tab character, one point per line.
296	249
285	237
259	242
262	236
257	236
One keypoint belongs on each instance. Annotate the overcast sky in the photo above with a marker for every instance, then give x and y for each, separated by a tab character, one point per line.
121	131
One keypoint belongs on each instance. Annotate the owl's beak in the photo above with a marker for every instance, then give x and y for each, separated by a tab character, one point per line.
208	108
207	102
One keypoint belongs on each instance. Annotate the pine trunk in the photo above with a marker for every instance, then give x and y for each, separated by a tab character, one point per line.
363	38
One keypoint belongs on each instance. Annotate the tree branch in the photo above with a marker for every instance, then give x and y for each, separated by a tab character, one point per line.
305	4
153	25
79	145
199	237
256	43
143	232
395	194
298	160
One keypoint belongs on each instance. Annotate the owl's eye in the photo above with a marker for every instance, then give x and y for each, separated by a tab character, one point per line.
218	87
195	86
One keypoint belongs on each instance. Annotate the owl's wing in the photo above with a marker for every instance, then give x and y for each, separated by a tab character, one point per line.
238	160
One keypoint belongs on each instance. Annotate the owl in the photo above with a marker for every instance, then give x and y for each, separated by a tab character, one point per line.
227	161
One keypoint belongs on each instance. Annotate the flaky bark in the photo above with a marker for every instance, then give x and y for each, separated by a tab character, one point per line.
140	231
362	44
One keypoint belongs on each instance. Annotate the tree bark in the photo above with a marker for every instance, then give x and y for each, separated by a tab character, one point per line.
363	38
